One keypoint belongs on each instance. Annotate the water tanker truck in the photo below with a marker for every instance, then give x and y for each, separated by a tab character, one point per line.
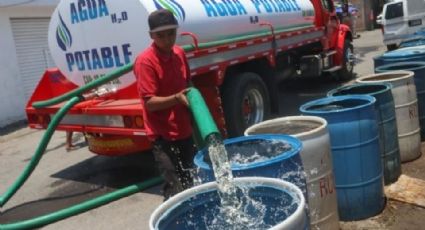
238	52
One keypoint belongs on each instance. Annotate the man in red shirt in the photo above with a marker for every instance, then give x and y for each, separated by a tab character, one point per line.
163	75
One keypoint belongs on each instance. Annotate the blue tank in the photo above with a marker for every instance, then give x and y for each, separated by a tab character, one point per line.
408	54
388	139
278	156
353	129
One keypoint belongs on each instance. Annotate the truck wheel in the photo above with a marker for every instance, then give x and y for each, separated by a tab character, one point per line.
245	102
346	73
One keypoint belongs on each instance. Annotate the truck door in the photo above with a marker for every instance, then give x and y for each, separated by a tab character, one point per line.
331	22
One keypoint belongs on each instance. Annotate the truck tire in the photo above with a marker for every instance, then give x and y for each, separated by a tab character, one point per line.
245	102
346	73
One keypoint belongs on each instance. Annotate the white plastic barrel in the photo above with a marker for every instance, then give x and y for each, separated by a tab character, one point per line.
317	161
406	108
189	209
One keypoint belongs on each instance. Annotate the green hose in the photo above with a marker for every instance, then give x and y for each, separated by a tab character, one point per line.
39	151
204	123
82	207
75	97
79	91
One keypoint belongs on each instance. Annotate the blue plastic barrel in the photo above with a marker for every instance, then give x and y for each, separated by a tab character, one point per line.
283	207
408	54
417	40
353	129
273	155
419	69
388	139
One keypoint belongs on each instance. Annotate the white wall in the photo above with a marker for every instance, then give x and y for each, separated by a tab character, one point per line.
12	102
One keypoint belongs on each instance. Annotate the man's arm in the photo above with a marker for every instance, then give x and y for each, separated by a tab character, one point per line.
156	103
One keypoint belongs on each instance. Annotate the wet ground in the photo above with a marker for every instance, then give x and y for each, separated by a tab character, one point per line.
65	178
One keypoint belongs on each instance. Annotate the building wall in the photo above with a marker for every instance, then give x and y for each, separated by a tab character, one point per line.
367	17
12	102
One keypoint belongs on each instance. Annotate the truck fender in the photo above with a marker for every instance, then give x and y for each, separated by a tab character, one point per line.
344	33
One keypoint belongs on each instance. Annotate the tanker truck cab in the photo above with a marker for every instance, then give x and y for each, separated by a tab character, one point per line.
401	19
238	51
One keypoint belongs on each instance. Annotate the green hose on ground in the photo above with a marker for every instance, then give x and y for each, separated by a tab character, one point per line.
75	97
39	151
82	207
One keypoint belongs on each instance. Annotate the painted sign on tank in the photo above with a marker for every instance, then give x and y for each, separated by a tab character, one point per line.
90	38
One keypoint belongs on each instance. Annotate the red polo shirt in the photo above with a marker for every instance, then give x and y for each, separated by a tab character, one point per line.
162	75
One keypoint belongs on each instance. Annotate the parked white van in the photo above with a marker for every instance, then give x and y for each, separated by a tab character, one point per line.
401	18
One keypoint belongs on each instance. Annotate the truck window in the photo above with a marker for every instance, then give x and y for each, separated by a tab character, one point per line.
394	11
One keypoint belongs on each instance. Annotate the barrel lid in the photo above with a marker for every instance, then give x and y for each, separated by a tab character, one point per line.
372	89
407	52
407	66
337	104
418	40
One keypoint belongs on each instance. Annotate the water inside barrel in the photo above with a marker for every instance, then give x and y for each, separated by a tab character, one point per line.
256	150
337	105
384	77
360	89
290	127
251	151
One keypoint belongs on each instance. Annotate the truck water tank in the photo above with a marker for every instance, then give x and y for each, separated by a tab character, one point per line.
89	38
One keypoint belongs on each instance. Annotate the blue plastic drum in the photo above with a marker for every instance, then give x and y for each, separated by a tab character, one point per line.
200	208
408	54
274	155
388	138
353	129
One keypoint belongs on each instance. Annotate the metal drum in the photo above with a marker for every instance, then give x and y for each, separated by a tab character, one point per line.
353	130
388	139
316	158
419	69
406	108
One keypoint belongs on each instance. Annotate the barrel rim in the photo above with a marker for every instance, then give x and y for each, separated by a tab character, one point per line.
407	51
295	143
407	75
382	68
301	135
276	183
355	85
304	108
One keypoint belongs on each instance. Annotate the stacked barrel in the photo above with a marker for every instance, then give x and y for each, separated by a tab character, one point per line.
344	148
374	124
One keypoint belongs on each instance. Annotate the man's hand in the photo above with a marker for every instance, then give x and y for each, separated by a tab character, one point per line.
181	97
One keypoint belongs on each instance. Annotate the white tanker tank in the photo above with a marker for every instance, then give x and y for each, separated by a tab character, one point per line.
89	38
